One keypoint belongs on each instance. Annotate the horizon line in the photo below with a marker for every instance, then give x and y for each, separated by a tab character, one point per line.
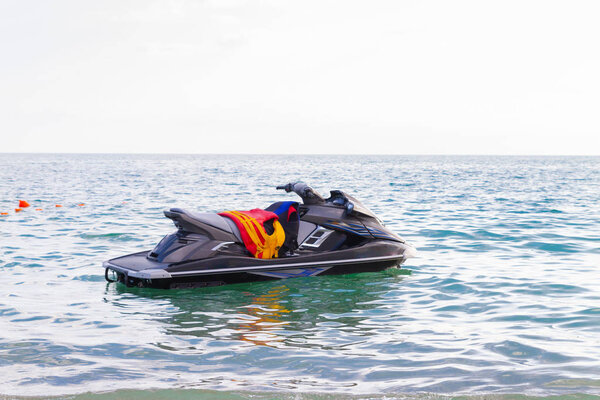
305	154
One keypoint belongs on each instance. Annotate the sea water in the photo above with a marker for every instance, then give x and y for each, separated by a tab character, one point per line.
503	298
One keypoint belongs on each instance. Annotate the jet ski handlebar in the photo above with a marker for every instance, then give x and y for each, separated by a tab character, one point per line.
308	194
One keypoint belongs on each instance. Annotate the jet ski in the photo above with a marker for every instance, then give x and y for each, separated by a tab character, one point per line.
337	235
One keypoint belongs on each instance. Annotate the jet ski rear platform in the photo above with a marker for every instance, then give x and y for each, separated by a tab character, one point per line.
333	236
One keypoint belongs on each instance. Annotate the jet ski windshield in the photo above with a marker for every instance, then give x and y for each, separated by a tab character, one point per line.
361	208
352	204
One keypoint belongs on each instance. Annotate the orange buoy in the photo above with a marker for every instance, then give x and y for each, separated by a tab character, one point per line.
81	204
3	213
57	205
38	209
18	209
23	204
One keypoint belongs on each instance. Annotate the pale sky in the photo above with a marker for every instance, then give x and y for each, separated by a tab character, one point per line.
223	76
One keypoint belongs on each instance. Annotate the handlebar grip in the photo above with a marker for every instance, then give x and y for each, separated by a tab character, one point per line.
288	188
308	195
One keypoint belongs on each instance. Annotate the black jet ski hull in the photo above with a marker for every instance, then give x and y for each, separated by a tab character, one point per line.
138	270
215	278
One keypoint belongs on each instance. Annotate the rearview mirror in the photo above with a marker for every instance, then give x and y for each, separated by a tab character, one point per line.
349	207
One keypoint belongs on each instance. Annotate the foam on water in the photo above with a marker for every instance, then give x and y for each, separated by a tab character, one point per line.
503	299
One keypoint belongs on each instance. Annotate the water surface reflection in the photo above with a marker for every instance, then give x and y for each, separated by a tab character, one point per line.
315	312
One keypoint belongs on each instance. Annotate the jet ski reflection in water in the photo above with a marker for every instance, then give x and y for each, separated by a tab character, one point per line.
321	236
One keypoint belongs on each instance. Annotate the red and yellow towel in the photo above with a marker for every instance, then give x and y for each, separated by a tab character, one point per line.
256	239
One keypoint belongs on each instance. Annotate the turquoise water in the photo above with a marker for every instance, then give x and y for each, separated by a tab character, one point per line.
504	298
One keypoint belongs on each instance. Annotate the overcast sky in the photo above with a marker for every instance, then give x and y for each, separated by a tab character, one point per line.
392	77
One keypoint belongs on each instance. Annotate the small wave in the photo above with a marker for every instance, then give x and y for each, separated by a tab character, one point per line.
443	233
89	278
553	247
121	237
11	264
580	384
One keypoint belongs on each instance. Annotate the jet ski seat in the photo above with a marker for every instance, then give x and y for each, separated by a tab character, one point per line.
287	211
212	219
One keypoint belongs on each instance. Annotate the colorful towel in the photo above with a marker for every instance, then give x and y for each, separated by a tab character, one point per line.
254	235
